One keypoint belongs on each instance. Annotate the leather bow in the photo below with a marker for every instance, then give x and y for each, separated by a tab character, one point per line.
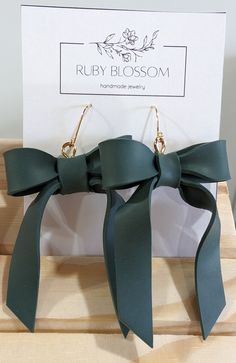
31	171
127	227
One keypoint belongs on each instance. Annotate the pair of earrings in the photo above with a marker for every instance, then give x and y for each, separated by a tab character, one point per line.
117	164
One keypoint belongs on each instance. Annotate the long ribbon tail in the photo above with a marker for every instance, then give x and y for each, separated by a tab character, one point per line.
133	259
23	281
208	278
114	201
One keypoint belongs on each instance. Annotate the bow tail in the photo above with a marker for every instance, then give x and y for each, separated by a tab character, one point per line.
23	281
208	278
114	201
133	256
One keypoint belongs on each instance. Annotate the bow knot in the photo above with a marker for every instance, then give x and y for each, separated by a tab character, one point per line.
73	174
169	169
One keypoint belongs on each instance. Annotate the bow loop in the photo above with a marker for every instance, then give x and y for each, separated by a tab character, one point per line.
206	162
28	169
125	162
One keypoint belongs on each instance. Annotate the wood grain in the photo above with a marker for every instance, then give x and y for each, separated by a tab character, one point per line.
11	214
107	348
228	233
6	144
74	297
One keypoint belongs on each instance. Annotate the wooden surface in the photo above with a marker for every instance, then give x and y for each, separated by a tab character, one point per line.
75	316
6	144
74	297
112	348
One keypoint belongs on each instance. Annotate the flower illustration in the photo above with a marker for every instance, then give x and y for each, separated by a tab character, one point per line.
126	57
126	47
129	36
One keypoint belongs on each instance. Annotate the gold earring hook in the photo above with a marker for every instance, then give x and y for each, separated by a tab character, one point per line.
68	149
159	142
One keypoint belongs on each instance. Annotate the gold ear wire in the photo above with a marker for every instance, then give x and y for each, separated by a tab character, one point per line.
68	149
159	142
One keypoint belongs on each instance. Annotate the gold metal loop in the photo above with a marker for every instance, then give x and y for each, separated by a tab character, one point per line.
68	149
159	142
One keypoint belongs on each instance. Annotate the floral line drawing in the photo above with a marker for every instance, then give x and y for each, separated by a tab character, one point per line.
126	47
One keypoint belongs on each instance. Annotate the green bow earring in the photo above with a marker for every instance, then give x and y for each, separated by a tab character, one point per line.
31	171
127	229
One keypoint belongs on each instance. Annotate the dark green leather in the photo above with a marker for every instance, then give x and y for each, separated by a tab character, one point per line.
30	171
127	163
117	164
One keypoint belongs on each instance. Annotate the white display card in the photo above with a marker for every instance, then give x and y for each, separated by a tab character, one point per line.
122	62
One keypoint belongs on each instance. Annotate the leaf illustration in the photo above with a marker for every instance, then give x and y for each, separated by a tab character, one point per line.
109	37
145	41
154	35
108	52
126	46
108	46
99	49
